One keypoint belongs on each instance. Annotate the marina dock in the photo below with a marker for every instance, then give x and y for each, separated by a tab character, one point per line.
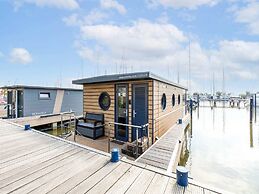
35	121
35	162
164	152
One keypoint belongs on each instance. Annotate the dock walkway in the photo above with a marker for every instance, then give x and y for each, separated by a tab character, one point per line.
35	121
164	153
34	162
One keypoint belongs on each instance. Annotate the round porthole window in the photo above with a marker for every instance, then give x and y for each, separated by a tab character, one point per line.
173	100
179	99
104	101
163	101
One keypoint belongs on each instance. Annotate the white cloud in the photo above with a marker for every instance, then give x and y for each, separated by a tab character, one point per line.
162	48
62	4
189	4
142	37
20	56
93	17
72	20
239	57
249	15
244	74
113	4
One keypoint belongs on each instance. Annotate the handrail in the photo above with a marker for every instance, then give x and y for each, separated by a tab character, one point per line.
71	113
137	127
126	125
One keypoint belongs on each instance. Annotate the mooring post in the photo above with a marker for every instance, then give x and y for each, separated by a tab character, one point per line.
255	107
251	110
198	100
191	107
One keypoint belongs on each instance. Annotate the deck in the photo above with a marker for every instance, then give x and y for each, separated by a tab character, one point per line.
34	162
40	120
164	153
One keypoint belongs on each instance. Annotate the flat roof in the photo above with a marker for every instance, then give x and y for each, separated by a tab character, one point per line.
38	87
125	77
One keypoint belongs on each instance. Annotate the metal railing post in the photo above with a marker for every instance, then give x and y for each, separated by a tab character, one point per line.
61	123
148	136
133	127
109	140
70	121
136	142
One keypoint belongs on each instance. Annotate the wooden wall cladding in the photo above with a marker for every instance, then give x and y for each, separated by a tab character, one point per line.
165	119
91	103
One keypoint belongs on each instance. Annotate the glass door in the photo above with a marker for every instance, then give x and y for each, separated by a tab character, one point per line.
121	113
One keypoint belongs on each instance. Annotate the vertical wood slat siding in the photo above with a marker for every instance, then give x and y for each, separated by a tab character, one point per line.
164	119
91	104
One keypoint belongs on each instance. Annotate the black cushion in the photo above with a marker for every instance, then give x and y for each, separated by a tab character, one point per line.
90	125
96	117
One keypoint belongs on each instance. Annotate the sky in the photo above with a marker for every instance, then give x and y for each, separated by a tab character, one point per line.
51	43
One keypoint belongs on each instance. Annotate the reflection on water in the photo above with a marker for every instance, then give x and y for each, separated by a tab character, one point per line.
58	131
251	135
222	149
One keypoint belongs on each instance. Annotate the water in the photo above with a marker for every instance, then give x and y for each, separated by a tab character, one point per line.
223	150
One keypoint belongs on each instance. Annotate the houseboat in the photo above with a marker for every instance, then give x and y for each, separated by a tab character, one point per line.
25	101
134	99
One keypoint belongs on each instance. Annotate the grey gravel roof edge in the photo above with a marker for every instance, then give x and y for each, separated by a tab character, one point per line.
38	87
125	77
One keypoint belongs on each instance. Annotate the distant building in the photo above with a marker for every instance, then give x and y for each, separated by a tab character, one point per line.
23	101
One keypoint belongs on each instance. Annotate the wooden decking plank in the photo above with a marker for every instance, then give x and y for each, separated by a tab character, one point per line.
125	181
159	151
13	137
206	191
7	186
41	164
31	157
158	184
5	126
173	188
156	159
166	149
157	155
95	178
14	143
193	189
38	167
9	133
22	150
92	167
163	149
30	143
141	184
110	179
19	155
153	163
32	161
49	181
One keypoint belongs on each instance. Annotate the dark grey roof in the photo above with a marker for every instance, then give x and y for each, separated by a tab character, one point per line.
125	77
38	87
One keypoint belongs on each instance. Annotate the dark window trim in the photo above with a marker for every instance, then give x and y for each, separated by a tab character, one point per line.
103	107
163	101
173	100
44	98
